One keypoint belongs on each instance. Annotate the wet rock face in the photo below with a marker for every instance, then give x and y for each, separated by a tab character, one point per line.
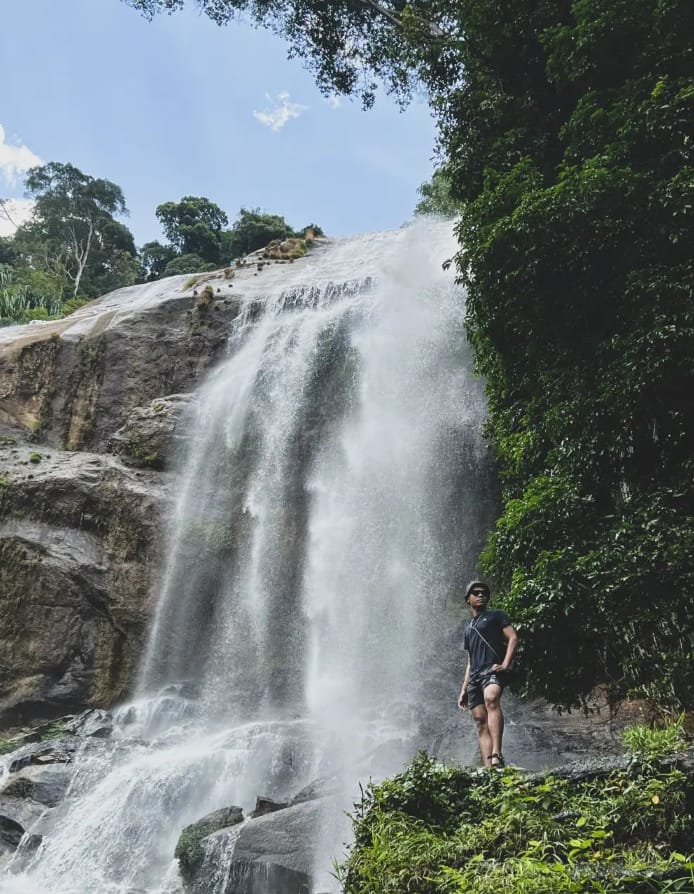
79	536
71	384
153	435
270	852
37	777
81	532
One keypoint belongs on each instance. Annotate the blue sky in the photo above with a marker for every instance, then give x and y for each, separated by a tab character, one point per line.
181	107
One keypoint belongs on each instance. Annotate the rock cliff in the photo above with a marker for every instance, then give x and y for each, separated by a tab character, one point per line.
90	408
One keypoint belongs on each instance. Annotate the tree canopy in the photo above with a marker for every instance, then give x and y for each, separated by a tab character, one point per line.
193	226
252	230
73	230
435	197
73	247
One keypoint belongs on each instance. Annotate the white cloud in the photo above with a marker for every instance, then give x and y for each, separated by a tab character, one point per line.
13	213
283	111
15	159
333	101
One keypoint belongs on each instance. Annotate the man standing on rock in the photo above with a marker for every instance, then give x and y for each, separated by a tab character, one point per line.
490	642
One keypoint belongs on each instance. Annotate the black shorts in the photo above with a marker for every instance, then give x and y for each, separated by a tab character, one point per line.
480	681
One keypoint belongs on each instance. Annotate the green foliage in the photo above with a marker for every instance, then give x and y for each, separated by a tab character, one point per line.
189	851
72	244
7	746
154	257
187	264
655	741
253	229
207	538
193	226
510	832
73	234
579	309
35	457
436	197
26	295
74	304
56	730
317	231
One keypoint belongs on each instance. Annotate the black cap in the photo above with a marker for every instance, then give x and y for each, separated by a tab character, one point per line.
476	583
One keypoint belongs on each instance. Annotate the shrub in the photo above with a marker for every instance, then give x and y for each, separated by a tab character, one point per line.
655	741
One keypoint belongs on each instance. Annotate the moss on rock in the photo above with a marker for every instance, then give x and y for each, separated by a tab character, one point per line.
190	850
285	250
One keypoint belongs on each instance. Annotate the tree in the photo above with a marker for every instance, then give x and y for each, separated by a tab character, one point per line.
8	252
193	226
252	230
565	131
154	257
190	263
73	233
436	197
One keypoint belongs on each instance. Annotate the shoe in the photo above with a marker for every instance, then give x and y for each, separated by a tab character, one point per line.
496	761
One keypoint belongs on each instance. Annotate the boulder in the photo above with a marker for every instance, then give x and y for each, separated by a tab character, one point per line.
270	854
28	793
93	723
53	751
190	849
44	784
10	832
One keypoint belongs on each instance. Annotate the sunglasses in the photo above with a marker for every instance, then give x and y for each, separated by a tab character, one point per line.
478	592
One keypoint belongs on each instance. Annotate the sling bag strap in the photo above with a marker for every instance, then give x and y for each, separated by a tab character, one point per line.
488	645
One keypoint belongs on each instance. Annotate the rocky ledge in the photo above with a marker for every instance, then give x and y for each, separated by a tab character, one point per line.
79	535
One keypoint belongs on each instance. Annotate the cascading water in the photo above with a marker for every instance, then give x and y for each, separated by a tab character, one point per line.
331	502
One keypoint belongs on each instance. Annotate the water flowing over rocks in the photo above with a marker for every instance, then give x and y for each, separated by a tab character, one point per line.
245	505
271	852
80	531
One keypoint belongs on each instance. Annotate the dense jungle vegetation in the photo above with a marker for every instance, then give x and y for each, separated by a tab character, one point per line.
75	246
565	140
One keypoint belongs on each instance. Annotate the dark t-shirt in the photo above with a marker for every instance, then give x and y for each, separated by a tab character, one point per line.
487	626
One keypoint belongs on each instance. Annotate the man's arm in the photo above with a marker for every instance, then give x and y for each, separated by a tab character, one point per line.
511	646
462	698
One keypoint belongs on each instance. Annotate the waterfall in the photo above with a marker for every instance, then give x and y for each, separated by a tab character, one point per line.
331	503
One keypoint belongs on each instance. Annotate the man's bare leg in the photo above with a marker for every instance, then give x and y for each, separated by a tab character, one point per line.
479	715
495	719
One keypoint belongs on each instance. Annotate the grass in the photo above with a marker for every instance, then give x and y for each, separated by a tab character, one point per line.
658	740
